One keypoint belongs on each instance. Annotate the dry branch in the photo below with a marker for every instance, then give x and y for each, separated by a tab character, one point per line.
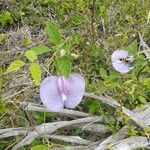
131	143
71	139
112	139
95	128
145	47
104	99
4	133
141	118
110	101
65	112
49	128
71	148
144	115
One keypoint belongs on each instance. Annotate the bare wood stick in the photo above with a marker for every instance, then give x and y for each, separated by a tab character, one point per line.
4	133
95	128
9	132
71	139
103	99
144	115
136	117
65	112
48	128
145	47
112	139
71	148
131	143
110	101
52	127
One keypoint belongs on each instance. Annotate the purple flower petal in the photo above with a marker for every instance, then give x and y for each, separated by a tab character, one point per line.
75	90
121	61
130	59
121	67
62	85
50	95
117	55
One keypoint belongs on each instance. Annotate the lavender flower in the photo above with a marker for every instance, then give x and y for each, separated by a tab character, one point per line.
59	92
122	61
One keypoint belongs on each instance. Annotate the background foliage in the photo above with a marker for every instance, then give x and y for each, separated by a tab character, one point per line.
43	37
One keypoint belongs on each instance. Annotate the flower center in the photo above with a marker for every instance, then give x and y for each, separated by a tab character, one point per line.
62	84
128	59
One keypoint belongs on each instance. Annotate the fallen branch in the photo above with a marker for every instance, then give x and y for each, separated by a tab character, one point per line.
112	139
48	128
5	133
145	47
131	143
71	139
144	115
110	101
71	148
9	132
103	99
95	128
65	112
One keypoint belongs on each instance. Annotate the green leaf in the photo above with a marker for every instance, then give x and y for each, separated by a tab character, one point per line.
142	99
3	107
39	147
146	82
31	55
64	65
21	121
26	42
41	49
53	33
77	20
103	73
36	73
5	18
2	37
93	107
14	66
132	48
138	64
